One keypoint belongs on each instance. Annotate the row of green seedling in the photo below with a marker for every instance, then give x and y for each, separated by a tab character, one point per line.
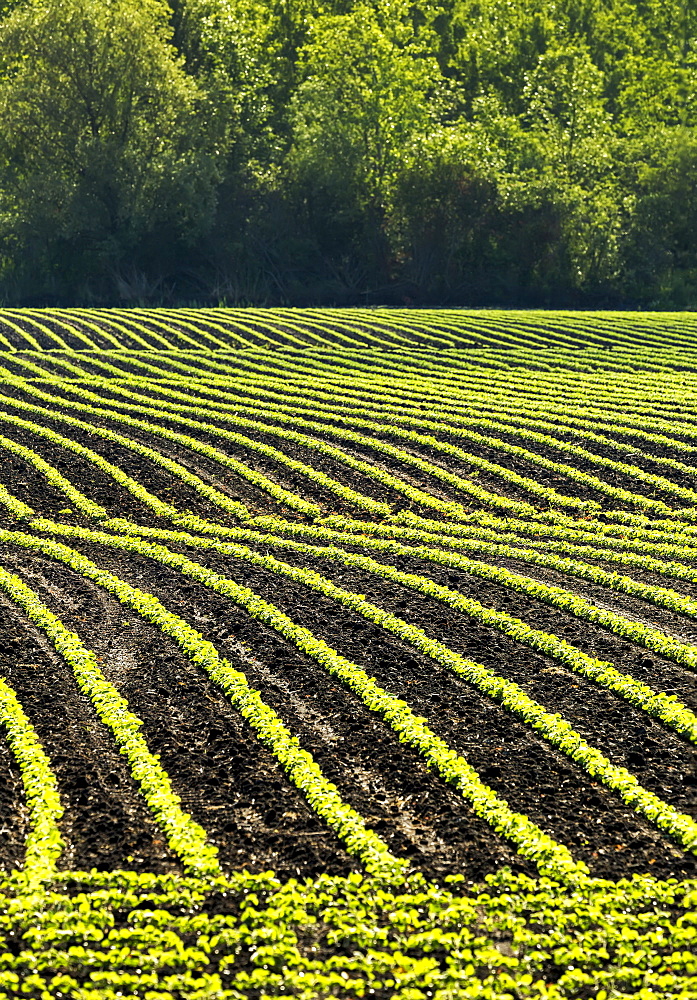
662	706
634	471
552	858
44	844
458	429
557	731
316	476
293	415
370	469
298	763
185	837
277	492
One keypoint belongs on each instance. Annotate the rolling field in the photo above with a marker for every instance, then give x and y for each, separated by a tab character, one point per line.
348	653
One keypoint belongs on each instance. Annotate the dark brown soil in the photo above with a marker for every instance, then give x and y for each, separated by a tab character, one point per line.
226	779
419	816
299	483
105	823
574	809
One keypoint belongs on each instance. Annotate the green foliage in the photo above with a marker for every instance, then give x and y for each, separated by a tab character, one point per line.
369	86
514	937
462	151
104	145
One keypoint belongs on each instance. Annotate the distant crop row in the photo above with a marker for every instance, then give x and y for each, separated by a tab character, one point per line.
225	328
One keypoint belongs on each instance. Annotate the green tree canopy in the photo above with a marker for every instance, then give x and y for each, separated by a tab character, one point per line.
105	138
348	150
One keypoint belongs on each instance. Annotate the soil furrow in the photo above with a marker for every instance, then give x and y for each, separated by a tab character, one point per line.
574	809
226	778
418	815
105	824
664	762
629	657
633	608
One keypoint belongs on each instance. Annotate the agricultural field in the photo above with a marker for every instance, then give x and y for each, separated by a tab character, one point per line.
348	653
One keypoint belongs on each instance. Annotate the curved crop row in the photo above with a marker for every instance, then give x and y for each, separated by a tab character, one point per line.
185	837
498	444
345	529
661	706
376	328
369	469
279	493
113	471
52	337
554	729
53	476
552	858
288	415
299	764
451	408
519	417
57	318
634	534
44	843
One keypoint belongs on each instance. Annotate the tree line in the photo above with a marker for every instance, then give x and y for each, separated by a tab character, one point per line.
454	152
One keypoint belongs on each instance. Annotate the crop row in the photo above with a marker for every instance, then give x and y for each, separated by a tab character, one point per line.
187	441
293	416
185	837
585	458
288	416
554	729
201	328
370	469
650	638
552	858
641	634
662	706
43	841
387	374
457	425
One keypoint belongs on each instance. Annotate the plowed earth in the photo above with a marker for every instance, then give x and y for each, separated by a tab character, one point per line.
541	874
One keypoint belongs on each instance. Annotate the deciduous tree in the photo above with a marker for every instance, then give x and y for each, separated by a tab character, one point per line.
105	139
